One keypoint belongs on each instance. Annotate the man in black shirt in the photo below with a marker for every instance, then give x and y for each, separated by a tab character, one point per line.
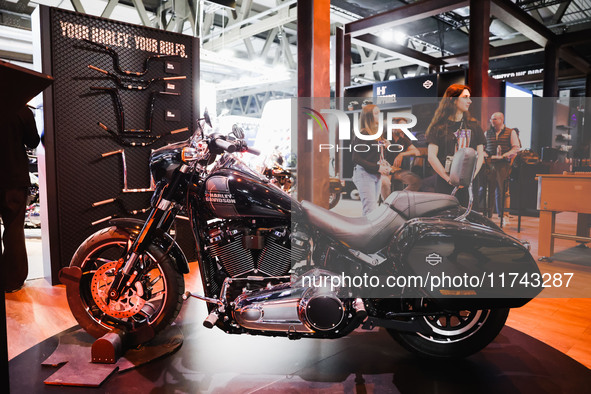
17	131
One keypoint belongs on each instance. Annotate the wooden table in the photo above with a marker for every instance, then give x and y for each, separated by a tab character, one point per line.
559	193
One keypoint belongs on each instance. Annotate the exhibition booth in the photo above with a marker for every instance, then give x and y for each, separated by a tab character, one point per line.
386	236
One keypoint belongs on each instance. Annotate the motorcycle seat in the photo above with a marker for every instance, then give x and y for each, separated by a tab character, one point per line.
367	233
418	204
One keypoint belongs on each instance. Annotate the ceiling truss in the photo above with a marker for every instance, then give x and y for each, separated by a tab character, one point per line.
263	35
268	34
251	104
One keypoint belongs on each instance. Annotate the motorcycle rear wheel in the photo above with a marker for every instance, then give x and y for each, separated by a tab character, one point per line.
333	199
142	312
455	334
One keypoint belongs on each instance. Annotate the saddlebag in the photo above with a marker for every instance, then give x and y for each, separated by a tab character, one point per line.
464	265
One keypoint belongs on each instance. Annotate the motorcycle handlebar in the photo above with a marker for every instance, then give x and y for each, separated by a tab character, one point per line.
253	151
234	146
224	145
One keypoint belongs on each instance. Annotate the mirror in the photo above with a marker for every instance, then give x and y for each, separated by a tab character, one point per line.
238	132
207	118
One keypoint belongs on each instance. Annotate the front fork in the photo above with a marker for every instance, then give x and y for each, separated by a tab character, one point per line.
161	218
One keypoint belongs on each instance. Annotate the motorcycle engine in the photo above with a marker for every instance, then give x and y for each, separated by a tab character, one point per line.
240	251
252	274
292	308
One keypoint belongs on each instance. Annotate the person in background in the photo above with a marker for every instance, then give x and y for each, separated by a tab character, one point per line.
395	157
16	132
502	145
453	128
518	137
368	164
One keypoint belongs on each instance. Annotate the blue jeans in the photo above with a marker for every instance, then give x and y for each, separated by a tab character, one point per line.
368	186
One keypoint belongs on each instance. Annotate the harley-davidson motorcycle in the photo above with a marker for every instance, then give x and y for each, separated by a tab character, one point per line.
262	258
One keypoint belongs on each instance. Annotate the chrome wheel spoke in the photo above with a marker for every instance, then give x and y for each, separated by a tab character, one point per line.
131	310
157	294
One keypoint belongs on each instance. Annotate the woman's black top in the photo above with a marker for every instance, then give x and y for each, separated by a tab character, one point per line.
368	160
444	135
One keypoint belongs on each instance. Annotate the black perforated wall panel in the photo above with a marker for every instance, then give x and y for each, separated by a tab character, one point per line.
82	176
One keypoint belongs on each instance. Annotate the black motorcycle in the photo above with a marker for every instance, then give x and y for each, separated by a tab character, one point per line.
268	263
33	210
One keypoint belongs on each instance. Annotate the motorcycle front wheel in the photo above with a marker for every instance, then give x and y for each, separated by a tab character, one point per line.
141	312
454	334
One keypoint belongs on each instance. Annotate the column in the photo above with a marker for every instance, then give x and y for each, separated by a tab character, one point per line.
313	81
479	47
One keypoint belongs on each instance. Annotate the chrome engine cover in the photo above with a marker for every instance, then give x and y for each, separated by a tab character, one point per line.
290	308
274	309
321	311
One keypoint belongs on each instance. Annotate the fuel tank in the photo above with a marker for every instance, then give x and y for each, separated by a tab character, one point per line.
234	190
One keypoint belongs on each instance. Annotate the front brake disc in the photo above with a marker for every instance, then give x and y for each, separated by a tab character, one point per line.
129	302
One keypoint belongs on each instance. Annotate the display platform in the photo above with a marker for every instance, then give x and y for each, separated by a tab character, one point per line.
210	361
72	357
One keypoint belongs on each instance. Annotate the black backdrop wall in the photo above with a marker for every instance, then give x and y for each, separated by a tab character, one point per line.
78	173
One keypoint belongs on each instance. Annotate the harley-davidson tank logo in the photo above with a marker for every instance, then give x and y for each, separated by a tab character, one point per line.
433	259
224	198
219	197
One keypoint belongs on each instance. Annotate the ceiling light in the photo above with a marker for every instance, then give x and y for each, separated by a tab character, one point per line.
393	36
226	52
400	37
387	35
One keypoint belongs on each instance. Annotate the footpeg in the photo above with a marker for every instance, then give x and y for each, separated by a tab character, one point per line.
210	320
188	294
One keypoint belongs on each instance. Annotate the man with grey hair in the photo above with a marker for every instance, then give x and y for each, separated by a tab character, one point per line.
502	144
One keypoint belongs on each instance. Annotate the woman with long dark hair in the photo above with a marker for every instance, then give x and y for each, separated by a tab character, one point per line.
367	157
453	128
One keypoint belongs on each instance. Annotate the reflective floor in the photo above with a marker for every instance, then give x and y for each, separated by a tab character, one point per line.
211	361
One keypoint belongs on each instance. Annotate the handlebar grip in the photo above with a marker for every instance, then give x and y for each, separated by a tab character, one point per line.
225	145
253	151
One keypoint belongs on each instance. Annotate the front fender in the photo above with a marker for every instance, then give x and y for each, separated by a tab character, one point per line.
163	240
